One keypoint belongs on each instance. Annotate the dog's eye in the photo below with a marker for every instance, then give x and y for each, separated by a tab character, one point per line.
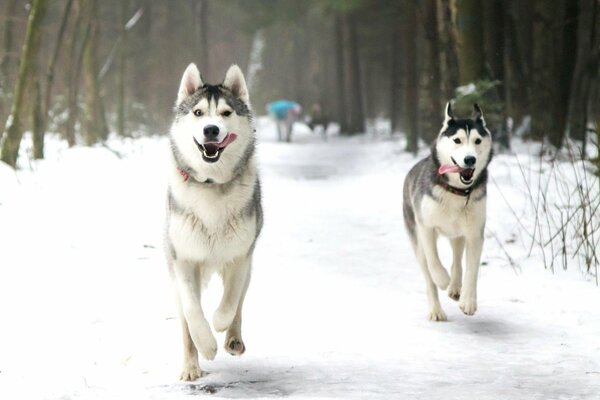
226	113
457	141
477	141
197	113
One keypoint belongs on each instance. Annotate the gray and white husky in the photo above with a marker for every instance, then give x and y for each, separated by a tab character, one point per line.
445	194
214	209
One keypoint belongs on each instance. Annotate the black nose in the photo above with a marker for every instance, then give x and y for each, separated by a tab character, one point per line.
211	132
470	161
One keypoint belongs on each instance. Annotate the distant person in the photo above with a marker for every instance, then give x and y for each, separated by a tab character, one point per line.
317	118
285	113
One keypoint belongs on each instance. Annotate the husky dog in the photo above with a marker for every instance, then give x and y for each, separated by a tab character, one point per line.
445	194
214	209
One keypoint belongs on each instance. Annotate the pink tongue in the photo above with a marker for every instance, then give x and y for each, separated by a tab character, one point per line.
228	139
448	168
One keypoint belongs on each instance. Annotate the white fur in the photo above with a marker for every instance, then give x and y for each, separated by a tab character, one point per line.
450	217
212	234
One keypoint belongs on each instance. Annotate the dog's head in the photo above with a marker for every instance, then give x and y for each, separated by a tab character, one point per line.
213	128
463	147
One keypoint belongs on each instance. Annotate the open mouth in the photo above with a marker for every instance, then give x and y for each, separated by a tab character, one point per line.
465	174
211	151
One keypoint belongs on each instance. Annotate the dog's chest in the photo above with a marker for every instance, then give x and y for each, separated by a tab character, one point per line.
452	215
212	227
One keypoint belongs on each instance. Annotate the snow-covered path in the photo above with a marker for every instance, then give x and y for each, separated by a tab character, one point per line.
336	307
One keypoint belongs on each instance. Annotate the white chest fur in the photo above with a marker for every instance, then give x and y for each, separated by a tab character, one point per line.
452	215
212	225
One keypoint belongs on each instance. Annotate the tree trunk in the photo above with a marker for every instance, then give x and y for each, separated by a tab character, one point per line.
411	77
42	109
74	73
449	47
37	123
552	71
122	70
586	67
14	133
516	67
201	18
340	73
432	108
469	19
7	47
95	125
355	121
397	94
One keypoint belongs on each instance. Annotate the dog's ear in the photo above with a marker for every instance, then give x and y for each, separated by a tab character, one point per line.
190	82
478	114
448	114
234	81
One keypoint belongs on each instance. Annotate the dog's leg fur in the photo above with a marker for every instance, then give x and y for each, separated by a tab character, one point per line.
468	295
435	308
234	344
458	248
428	242
188	286
191	369
234	280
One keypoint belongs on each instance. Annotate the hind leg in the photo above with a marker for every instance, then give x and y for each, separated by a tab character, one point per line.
435	308
234	276
458	248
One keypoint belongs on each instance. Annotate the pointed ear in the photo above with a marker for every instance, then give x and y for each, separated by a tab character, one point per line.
234	81
190	82
477	114
448	114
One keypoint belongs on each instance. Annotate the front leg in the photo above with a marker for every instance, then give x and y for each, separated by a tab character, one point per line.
187	280
428	241
468	295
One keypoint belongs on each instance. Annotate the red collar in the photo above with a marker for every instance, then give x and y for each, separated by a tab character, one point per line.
184	173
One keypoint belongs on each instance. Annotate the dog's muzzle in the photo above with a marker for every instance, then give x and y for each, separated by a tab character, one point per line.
211	151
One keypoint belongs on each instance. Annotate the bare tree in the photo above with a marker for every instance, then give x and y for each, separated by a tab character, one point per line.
14	129
96	128
41	108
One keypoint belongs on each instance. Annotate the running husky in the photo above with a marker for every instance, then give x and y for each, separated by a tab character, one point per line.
214	209
445	194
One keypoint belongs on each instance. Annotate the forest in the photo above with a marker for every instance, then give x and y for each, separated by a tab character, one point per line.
87	68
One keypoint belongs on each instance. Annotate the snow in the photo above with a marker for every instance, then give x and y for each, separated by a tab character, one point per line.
336	306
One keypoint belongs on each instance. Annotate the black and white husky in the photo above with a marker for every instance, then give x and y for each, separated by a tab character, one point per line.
445	194
214	209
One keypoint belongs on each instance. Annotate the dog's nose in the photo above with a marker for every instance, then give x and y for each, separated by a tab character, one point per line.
470	161
211	132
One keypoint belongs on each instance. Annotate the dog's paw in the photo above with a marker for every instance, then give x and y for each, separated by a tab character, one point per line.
191	373
468	305
440	277
208	347
222	319
454	292
235	346
437	315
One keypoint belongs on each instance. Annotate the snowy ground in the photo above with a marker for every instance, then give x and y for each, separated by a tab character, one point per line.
336	307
